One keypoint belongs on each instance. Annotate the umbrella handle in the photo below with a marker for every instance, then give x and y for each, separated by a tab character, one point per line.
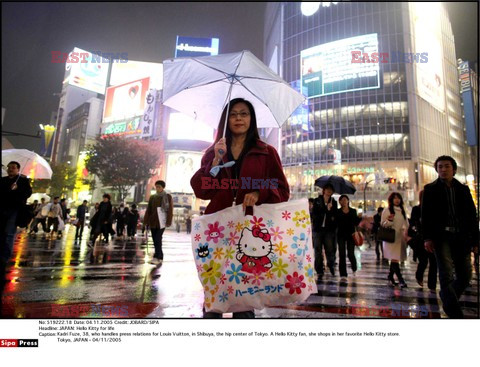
226	114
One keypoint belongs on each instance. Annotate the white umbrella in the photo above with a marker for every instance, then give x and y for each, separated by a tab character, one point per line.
32	165
201	87
38	196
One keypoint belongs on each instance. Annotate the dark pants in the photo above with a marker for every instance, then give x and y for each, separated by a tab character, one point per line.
452	253
324	240
157	235
131	229
424	258
378	248
36	221
79	230
120	228
53	221
346	245
8	227
104	229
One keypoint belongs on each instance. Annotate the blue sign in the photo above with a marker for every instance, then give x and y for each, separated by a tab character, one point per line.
190	46
468	108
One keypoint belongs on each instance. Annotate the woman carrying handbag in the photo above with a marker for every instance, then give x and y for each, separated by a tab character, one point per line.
395	217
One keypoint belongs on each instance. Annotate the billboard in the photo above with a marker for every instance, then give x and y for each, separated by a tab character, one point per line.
181	167
191	46
129	127
90	75
467	98
134	70
125	100
430	82
183	127
328	69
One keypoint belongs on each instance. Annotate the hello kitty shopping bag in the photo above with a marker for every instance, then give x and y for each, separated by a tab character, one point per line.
253	261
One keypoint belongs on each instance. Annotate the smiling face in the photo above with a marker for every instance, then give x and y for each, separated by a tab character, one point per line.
239	119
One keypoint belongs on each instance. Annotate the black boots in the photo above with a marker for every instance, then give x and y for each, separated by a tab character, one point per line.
391	281
395	269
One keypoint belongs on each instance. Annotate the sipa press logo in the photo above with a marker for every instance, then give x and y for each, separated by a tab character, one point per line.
18	343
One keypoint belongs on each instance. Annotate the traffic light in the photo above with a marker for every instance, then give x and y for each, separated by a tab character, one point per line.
390	180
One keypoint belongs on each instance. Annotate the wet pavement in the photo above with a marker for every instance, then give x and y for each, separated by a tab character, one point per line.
65	278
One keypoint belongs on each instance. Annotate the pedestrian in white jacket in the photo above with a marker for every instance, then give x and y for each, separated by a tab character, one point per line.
395	217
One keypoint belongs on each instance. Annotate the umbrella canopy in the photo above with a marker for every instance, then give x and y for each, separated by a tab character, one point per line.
340	185
38	196
32	165
202	86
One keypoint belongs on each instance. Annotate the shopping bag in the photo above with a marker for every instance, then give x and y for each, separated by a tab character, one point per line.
162	217
357	238
253	261
61	224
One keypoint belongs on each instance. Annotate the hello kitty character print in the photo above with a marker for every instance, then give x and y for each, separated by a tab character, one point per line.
253	249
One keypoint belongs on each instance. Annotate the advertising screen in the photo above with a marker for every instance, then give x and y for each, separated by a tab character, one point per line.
126	100
180	168
133	70
184	127
91	75
191	46
328	68
427	30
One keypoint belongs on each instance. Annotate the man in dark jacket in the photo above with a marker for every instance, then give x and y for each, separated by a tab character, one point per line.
450	230
15	190
81	213
324	225
163	202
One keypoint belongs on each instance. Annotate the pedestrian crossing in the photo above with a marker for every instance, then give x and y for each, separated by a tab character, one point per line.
367	294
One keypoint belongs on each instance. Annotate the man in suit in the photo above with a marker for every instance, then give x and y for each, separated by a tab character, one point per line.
450	229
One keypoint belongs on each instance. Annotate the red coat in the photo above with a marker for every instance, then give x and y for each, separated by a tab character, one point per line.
261	162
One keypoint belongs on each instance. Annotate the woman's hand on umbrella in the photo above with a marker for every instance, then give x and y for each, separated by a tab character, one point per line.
220	149
250	199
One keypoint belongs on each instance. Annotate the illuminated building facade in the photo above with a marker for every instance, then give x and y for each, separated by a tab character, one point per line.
380	122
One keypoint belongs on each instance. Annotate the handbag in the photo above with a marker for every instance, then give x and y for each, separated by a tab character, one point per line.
357	238
253	261
386	234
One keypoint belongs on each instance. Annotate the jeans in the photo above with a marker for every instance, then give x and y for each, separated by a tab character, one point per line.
425	257
321	240
157	235
8	217
451	252
350	249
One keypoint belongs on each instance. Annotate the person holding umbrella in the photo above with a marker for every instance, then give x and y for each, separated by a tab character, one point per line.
15	189
253	159
324	226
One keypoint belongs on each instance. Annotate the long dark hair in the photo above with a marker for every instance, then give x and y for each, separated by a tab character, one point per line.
252	133
390	203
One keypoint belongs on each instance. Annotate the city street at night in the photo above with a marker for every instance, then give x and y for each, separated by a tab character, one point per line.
64	278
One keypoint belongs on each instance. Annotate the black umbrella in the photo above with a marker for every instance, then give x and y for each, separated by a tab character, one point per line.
340	185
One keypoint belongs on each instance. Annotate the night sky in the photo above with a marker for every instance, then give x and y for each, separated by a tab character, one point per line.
146	31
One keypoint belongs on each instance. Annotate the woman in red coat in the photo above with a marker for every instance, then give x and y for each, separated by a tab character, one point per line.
256	177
